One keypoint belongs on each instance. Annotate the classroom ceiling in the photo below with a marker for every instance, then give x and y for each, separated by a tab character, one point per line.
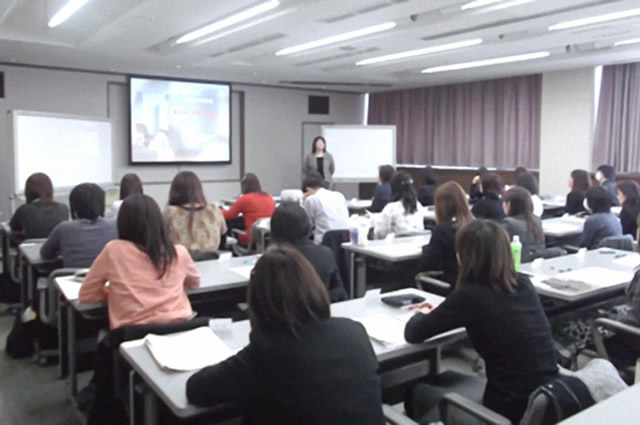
139	36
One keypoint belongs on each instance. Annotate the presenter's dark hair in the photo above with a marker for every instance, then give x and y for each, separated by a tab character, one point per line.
451	204
631	191
402	189
250	184
315	140
581	180
129	185
429	176
86	201
599	199
607	171
289	224
285	291
520	204
186	189
38	186
485	257
491	185
140	221
528	181
386	172
313	179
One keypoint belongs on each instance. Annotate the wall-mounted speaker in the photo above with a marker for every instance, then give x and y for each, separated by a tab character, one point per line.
319	105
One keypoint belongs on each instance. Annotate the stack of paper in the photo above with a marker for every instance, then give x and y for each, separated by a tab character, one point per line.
189	350
384	329
581	280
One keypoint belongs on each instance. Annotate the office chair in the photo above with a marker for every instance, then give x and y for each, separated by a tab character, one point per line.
624	243
258	238
629	373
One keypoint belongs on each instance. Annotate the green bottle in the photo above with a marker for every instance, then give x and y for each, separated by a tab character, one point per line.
516	252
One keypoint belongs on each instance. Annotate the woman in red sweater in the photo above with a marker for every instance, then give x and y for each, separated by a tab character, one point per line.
253	204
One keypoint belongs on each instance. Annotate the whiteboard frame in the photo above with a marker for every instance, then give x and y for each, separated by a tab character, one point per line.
357	126
19	191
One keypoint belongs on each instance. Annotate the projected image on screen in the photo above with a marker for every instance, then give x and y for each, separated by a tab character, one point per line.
179	121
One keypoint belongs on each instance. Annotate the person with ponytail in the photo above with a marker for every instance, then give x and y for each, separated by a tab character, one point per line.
403	214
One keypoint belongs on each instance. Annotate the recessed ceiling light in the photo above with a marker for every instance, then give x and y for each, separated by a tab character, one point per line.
627	42
228	21
65	12
595	19
478	3
337	38
486	62
421	52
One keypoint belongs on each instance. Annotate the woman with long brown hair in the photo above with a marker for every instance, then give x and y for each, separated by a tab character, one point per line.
193	223
452	213
579	182
521	222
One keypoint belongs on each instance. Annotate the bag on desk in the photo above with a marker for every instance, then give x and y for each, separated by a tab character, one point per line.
20	339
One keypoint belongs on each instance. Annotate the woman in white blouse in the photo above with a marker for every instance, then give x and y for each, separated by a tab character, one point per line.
403	214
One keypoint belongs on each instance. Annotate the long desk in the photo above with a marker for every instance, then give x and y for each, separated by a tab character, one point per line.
398	250
563	226
215	276
170	387
29	252
620	409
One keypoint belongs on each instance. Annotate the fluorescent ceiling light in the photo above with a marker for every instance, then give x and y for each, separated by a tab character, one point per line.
478	3
508	4
65	12
421	52
595	19
337	38
227	22
486	62
626	42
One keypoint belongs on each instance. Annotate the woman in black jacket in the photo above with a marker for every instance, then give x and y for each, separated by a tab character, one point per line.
579	182
301	365
628	193
490	206
503	317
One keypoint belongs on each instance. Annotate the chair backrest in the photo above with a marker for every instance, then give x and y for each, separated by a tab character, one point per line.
333	239
624	242
48	308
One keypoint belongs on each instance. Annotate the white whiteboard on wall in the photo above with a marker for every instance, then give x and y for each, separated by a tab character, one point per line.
69	149
358	150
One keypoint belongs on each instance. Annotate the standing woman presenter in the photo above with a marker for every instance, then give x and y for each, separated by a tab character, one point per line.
320	160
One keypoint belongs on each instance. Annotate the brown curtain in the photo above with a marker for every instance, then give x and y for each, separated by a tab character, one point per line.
494	123
617	135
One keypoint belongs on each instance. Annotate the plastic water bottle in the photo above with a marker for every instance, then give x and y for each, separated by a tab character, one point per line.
516	252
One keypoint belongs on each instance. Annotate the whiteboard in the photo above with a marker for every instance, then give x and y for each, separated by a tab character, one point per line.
69	149
358	150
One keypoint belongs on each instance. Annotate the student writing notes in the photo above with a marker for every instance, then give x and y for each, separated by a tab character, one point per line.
402	215
452	213
579	182
81	240
602	222
503	317
147	274
327	209
301	365
253	204
38	217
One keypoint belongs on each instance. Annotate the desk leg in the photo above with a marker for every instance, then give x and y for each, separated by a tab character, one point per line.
62	338
24	296
352	272
361	277
434	361
150	407
31	285
5	255
71	352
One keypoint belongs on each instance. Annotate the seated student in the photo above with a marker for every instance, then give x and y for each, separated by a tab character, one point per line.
81	240
129	185
520	221
579	182
192	222
403	214
253	205
452	213
429	186
490	205
629	197
529	182
301	365
606	177
475	193
382	194
147	278
504	320
38	217
290	225
327	209
602	222
520	170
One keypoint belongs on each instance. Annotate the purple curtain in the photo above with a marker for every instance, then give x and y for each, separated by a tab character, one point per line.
617	135
494	123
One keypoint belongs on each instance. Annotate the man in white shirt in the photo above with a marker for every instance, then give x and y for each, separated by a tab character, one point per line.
327	209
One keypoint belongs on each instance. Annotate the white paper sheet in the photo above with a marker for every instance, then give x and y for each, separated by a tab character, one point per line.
384	329
244	271
588	278
629	261
189	350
